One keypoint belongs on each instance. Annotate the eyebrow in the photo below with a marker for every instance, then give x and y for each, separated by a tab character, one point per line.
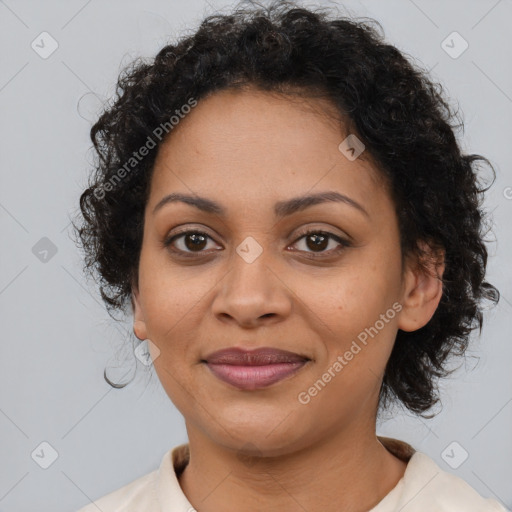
281	208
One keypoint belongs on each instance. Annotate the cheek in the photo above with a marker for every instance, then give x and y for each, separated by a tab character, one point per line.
164	309
373	284
353	297
174	312
354	311
168	297
176	385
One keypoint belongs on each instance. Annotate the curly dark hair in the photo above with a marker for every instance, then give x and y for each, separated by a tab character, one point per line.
392	106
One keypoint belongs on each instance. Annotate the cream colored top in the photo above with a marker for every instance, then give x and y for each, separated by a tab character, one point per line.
424	487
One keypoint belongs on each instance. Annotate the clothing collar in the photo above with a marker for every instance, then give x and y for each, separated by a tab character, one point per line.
171	496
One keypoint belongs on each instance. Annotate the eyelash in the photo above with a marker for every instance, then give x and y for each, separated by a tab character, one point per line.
191	254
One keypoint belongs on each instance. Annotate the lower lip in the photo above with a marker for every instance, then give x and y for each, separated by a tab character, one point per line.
254	377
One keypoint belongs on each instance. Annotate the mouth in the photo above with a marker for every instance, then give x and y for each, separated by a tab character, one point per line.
254	369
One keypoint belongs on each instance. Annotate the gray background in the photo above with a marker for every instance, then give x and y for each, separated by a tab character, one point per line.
56	335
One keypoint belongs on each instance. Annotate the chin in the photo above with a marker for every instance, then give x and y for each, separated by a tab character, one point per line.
265	437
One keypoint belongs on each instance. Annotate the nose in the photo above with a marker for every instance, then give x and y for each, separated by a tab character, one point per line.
252	294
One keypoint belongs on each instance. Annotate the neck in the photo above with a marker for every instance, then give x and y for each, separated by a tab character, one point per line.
348	472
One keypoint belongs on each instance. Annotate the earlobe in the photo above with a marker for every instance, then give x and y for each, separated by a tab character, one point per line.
422	291
139	325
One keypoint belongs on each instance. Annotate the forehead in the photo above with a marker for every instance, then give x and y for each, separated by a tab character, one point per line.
246	145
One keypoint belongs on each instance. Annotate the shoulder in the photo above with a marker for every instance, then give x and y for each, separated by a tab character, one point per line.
428	487
139	494
152	492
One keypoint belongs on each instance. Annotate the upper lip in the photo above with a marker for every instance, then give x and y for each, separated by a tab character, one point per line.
256	357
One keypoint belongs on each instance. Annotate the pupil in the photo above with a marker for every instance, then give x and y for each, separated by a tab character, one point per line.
197	240
316	238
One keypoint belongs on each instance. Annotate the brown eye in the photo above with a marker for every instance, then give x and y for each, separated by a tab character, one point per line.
316	243
188	242
195	241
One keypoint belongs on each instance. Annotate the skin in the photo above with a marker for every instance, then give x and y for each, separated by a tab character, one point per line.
263	449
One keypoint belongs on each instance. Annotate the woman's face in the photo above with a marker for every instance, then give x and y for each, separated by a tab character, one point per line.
254	280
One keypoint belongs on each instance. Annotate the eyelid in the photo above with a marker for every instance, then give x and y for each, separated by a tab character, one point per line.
344	241
343	236
187	227
169	239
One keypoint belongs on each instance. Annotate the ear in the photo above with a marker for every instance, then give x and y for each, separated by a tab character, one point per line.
139	324
422	289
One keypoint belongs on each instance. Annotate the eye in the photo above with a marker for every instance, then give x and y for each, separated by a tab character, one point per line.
190	242
318	241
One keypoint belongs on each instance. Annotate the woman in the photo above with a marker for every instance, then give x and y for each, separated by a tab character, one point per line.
281	200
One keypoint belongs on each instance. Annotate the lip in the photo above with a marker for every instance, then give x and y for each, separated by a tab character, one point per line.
254	369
